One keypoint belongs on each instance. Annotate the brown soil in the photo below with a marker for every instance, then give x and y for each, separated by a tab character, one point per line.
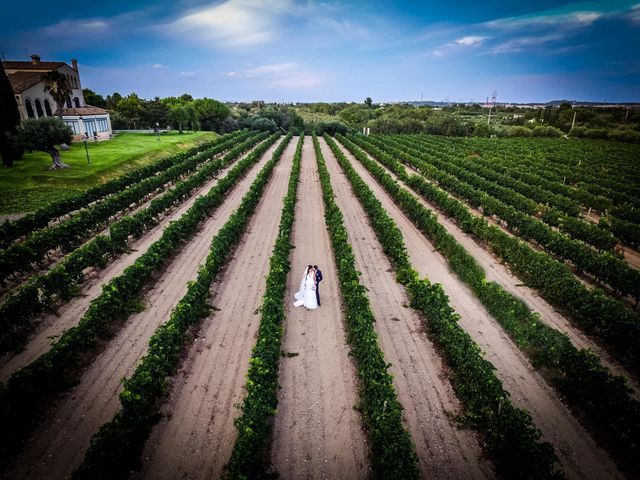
317	432
444	450
497	272
58	447
53	325
578	453
196	437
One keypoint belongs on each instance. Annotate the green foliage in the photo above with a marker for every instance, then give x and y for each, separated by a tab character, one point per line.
93	98
512	440
57	85
331	128
579	375
255	424
261	124
357	116
210	114
58	284
116	447
393	454
30	186
22	397
496	194
42	134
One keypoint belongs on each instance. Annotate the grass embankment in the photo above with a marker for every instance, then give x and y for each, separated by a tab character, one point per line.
29	184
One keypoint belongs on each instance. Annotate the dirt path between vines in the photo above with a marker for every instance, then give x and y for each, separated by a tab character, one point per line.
59	446
444	450
497	272
317	432
53	325
196	436
581	458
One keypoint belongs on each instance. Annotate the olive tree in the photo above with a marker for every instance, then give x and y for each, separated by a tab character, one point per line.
43	135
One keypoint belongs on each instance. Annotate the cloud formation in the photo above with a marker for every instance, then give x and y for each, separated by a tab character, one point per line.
288	74
232	23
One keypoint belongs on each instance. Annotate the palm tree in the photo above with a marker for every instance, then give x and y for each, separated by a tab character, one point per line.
57	85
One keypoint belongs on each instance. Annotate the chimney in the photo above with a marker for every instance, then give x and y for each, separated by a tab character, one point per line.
74	64
35	59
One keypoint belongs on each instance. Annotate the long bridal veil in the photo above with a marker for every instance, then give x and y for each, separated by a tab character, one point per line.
299	295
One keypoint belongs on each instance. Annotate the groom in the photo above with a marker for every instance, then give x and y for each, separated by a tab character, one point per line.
318	280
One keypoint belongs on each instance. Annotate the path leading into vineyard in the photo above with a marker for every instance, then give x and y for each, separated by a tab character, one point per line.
317	432
59	446
497	272
581	458
196	436
68	315
444	451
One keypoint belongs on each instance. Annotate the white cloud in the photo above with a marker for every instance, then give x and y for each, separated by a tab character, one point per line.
634	14
78	27
567	20
232	23
519	44
469	41
159	66
290	75
459	44
190	74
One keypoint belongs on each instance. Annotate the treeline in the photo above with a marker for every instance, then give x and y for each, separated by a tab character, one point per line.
473	120
186	113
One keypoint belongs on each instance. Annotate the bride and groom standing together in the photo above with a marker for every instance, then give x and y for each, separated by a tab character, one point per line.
309	293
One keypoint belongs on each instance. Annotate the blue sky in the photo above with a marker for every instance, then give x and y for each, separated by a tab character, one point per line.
337	50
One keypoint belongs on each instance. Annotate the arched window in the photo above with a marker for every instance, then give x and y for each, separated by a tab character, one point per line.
68	102
47	108
76	102
39	108
27	104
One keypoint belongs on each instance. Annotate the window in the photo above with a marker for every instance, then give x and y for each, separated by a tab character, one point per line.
103	125
27	104
74	126
47	108
39	108
68	102
90	127
76	102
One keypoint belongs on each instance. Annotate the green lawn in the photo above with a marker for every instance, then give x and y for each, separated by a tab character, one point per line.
30	184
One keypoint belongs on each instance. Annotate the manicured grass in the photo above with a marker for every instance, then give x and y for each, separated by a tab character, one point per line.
30	184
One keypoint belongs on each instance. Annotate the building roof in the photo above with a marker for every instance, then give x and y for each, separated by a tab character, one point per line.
33	67
20	81
86	110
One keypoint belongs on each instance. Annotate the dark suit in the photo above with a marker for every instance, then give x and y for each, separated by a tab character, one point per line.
318	280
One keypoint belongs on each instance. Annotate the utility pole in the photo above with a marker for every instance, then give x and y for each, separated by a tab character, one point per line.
574	120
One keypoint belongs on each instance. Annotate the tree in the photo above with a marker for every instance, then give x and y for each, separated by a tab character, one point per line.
181	114
130	108
113	100
43	135
368	102
210	113
93	98
9	120
357	116
154	112
57	85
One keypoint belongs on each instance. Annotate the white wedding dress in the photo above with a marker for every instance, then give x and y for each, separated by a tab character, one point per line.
306	296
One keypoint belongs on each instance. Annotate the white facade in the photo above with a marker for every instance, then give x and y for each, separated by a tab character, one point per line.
34	102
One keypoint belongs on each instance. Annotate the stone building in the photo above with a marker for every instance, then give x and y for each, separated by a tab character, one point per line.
34	102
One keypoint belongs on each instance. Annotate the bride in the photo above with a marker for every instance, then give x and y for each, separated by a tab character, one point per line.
306	296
